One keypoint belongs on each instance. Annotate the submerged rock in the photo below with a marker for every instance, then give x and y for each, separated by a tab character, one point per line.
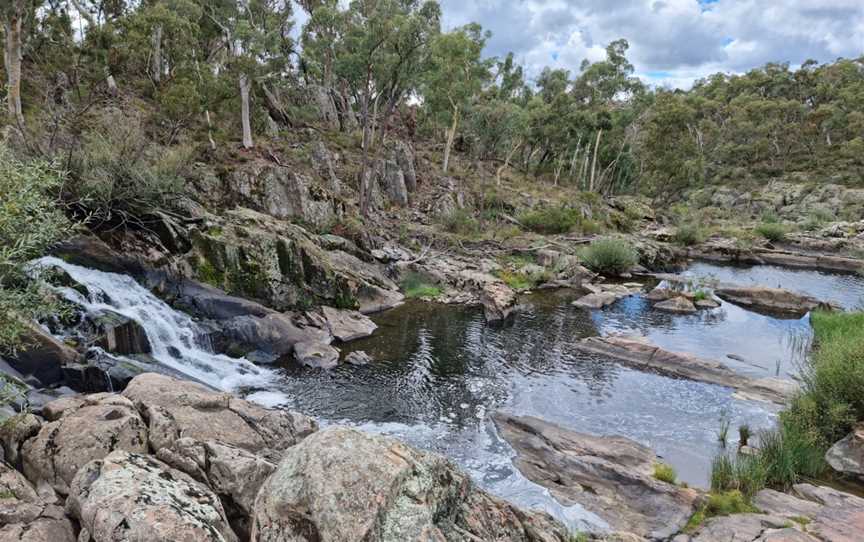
775	301
642	355
609	476
129	496
358	358
847	455
596	300
341	484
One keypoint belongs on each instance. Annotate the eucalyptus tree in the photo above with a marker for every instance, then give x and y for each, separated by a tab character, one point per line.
455	75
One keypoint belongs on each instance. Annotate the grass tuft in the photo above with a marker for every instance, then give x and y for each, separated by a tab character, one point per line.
551	220
772	231
609	256
665	473
416	286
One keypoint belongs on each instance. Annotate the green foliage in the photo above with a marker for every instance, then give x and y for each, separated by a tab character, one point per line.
120	174
610	256
720	503
744	434
701	295
30	223
772	231
551	220
461	222
723	432
665	473
415	285
830	402
688	235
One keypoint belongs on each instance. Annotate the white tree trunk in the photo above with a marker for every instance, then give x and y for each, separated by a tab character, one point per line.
156	60
244	107
594	160
451	135
12	59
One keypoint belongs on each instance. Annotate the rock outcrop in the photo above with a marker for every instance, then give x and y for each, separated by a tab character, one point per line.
284	268
609	476
847	455
809	514
676	305
642	355
316	355
27	517
774	301
130	496
44	358
347	325
80	430
176	409
341	484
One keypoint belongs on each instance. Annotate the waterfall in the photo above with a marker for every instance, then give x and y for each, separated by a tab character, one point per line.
176	339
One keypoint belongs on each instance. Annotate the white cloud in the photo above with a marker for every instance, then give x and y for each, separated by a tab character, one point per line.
673	42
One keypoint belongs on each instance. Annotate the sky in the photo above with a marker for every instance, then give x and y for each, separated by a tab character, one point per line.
672	42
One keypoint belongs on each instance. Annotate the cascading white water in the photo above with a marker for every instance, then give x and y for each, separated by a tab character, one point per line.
175	338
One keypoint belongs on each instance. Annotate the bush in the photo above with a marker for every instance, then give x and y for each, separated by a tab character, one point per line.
609	256
688	235
771	231
29	224
415	285
665	473
460	222
120	175
724	503
551	220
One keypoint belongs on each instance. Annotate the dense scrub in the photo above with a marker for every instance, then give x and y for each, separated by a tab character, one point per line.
830	402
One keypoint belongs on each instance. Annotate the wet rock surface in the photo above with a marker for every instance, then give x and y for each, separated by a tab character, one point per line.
775	301
498	300
316	355
640	354
609	476
341	484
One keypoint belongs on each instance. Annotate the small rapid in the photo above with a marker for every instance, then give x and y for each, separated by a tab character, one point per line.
177	341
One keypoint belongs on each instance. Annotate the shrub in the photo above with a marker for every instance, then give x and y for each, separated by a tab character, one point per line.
610	256
460	222
29	224
743	434
120	175
551	220
688	235
415	285
664	473
771	231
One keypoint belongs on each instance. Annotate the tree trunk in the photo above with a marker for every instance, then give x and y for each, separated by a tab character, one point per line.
594	160
507	159
451	135
244	105
365	175
12	59
156	60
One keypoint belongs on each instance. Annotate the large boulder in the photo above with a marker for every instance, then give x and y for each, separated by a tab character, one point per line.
341	484
609	476
403	156
316	355
120	334
847	455
14	432
774	301
27	517
129	496
44	356
234	474
84	428
347	325
498	300
176	409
